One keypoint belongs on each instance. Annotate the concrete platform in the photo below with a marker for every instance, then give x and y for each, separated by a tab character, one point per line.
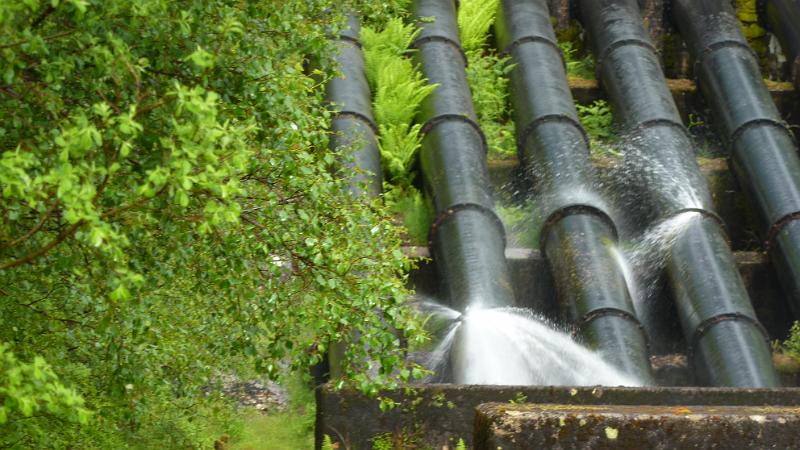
528	426
437	416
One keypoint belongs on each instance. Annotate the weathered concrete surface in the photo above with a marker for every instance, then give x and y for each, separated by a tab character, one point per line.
438	415
529	426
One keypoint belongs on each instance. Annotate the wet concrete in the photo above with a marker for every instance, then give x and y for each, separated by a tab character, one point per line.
553	426
439	415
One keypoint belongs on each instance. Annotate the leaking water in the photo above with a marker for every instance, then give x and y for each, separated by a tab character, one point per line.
511	346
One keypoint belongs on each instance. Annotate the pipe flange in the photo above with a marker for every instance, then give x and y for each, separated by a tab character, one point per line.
350	39
534	39
777	227
452	210
570	210
765	121
417	44
531	126
728	43
709	323
618	44
662	121
358	116
433	122
603	312
706	214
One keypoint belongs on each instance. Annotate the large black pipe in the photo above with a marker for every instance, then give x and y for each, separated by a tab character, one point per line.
579	236
353	136
353	128
727	344
467	238
782	17
763	154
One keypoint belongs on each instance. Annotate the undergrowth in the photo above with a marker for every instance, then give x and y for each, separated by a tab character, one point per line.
792	345
398	90
598	121
577	67
487	75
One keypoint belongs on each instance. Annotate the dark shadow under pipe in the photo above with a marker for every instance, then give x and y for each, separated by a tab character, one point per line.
782	17
579	235
467	238
762	149
727	345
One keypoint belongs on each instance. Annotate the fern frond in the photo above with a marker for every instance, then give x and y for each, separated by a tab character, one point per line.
474	19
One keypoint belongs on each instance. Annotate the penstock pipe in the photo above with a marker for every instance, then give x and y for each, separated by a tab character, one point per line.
467	238
762	150
727	345
353	126
579	236
353	132
782	17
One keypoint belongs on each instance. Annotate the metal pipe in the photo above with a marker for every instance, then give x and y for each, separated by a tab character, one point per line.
579	235
782	17
353	126
467	238
354	137
763	154
728	347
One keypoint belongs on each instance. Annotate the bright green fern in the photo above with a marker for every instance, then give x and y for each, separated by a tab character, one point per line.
474	19
398	90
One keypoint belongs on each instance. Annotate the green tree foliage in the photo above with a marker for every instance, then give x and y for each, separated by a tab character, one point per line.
171	212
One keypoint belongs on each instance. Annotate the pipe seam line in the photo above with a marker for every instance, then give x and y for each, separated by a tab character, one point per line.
417	44
777	227
571	210
350	39
451	211
706	325
532	39
599	313
528	130
633	42
720	45
704	212
766	121
428	126
355	115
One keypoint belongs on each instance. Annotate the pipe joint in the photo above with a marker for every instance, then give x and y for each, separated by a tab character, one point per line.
633	42
777	227
573	209
442	118
707	215
709	323
721	45
535	39
451	211
350	40
419	43
355	115
593	315
662	122
528	130
760	121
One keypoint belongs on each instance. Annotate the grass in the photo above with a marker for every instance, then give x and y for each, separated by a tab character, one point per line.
292	429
